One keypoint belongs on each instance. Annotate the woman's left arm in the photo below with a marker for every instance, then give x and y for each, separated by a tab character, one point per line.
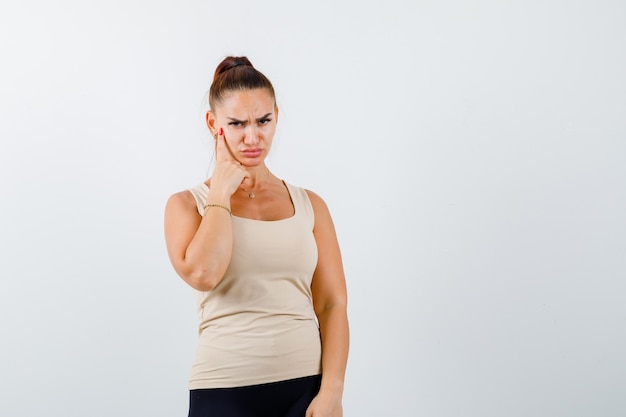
330	303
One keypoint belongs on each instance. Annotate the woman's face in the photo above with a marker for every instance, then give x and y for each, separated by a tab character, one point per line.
249	121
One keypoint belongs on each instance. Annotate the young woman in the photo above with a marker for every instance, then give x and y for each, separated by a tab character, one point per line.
263	258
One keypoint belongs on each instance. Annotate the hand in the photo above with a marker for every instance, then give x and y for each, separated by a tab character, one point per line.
325	405
228	173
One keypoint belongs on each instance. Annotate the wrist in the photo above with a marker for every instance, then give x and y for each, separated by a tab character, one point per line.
209	206
334	387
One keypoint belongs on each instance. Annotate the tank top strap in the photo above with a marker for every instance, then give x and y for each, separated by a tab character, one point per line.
200	193
302	204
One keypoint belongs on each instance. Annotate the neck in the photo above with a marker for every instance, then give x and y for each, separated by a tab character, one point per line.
253	185
258	177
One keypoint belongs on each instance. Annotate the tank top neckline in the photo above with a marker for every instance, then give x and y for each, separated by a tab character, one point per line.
293	204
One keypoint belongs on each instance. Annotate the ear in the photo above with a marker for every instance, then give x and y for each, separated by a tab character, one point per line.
210	122
276	113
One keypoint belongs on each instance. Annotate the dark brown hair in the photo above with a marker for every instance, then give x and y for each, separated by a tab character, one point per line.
236	73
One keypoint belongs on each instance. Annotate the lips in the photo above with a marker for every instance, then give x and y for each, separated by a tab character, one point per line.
252	153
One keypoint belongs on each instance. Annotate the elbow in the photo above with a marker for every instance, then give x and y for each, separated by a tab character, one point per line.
201	275
203	280
327	308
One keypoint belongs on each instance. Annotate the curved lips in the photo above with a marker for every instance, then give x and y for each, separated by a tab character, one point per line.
252	153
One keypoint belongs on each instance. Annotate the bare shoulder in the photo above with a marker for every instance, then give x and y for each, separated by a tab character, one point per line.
183	196
317	202
181	220
323	218
181	200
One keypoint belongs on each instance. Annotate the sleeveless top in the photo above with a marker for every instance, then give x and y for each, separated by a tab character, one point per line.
258	324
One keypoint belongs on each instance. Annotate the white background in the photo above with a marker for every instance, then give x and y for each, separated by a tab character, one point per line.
473	155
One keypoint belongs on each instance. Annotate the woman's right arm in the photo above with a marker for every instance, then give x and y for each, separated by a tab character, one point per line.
199	247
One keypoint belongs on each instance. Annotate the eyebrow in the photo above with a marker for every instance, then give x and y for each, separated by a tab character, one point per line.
258	120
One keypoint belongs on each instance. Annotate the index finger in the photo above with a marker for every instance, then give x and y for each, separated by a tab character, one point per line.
222	151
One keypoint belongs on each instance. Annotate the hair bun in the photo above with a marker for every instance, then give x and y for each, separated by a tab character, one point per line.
242	77
230	63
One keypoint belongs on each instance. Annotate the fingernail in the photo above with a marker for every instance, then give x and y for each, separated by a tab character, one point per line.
221	131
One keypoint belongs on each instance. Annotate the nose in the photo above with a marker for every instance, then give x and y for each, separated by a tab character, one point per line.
251	135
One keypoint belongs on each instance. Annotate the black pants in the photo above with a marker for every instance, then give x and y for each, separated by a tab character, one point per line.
288	398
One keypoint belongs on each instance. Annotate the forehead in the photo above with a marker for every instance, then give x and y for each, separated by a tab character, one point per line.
247	102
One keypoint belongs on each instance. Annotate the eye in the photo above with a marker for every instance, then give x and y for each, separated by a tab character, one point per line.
265	121
234	124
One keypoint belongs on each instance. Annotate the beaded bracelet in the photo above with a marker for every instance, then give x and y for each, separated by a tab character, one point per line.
218	205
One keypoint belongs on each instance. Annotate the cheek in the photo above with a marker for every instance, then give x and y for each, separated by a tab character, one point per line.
269	129
232	143
232	133
232	136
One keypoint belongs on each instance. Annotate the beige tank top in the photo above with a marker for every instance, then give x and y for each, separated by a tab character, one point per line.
258	325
